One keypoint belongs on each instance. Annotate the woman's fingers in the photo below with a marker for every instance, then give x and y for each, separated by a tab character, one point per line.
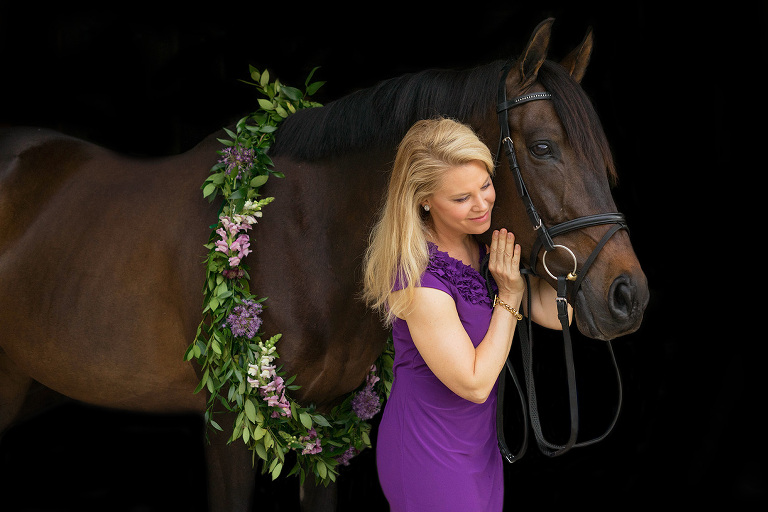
493	251
516	256
504	256
506	246
504	262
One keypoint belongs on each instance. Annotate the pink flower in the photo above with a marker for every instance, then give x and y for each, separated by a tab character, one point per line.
312	445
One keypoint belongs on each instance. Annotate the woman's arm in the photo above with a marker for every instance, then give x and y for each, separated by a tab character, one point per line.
447	349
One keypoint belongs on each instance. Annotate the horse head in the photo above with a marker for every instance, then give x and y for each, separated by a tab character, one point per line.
562	169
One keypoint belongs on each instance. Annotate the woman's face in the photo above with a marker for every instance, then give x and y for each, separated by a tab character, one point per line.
463	202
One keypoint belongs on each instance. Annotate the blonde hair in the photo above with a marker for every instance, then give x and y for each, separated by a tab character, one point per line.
397	248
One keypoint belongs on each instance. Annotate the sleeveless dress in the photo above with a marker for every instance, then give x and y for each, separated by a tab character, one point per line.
436	451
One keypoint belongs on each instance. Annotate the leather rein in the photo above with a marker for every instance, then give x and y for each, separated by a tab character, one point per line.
567	287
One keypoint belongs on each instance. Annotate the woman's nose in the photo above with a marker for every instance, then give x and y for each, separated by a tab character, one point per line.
481	204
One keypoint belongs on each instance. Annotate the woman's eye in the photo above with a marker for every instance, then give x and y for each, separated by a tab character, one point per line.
541	149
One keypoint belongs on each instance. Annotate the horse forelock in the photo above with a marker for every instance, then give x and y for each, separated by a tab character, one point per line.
379	116
577	114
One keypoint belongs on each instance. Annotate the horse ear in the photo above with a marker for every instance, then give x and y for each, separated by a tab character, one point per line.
529	62
576	61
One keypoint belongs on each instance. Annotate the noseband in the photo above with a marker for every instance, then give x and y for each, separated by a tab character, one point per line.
567	287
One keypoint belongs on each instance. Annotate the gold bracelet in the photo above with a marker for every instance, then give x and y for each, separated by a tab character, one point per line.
497	300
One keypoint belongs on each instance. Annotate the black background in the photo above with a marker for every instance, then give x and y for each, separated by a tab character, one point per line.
677	91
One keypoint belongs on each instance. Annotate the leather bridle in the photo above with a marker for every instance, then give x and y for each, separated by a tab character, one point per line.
567	287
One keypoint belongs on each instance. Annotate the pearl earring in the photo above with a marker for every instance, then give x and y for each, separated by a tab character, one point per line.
426	207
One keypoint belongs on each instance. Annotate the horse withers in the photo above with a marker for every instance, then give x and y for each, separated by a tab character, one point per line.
100	254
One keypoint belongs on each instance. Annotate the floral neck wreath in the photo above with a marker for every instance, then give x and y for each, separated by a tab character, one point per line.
238	365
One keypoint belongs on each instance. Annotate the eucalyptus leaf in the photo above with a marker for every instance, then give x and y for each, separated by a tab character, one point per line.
311	74
312	88
320	420
292	93
276	471
209	189
259	180
260	451
250	411
321	468
306	420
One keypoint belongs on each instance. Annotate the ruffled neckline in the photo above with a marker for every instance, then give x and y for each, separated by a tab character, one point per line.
468	281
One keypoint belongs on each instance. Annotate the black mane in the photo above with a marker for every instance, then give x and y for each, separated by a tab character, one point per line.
379	116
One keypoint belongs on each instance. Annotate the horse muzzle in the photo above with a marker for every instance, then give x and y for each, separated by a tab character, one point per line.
619	312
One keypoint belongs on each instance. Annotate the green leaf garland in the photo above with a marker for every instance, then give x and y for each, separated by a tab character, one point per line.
238	364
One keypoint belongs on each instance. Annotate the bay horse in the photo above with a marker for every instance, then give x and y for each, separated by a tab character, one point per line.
100	253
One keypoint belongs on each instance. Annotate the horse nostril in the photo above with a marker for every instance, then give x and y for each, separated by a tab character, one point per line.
621	297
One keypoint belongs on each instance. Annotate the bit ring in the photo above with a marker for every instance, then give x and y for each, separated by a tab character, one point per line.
571	275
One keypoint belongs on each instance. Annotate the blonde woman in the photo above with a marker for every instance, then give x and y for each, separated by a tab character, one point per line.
437	446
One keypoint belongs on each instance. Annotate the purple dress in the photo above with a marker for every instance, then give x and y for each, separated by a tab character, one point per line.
436	450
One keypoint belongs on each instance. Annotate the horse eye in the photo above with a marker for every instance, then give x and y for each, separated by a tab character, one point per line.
541	149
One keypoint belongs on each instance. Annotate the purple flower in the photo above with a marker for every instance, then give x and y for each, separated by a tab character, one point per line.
366	403
245	320
345	457
237	159
233	273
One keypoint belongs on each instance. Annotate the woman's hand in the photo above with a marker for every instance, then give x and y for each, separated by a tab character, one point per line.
504	264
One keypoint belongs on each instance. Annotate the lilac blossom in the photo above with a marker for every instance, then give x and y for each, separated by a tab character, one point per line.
245	319
366	403
345	457
233	273
237	159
